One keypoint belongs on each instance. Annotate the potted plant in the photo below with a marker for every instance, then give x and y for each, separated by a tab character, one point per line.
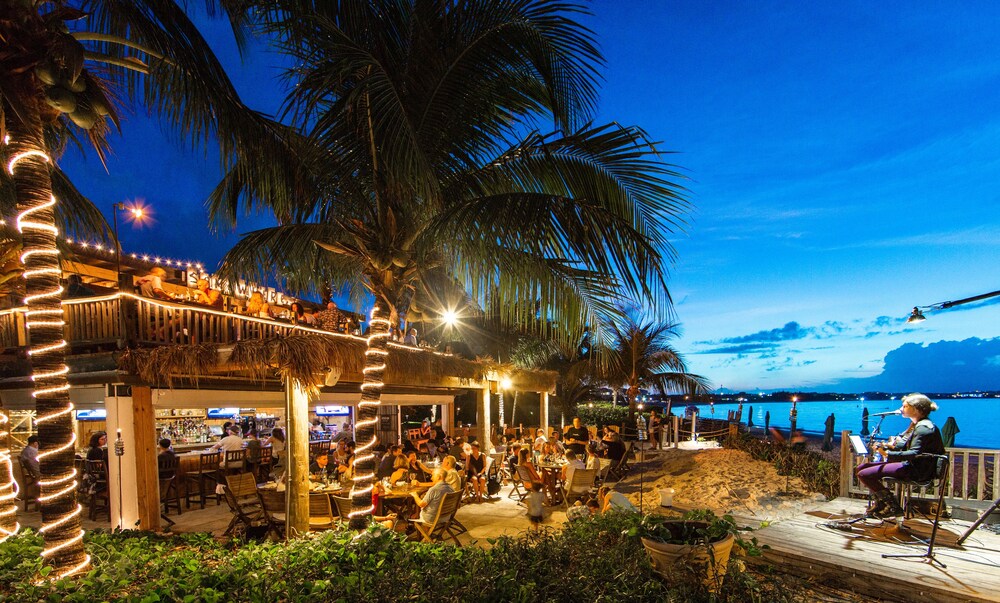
699	539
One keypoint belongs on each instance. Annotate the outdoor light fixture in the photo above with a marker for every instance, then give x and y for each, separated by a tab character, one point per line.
449	317
918	316
137	213
505	383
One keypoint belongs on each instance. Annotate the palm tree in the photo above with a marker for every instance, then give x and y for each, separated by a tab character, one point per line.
640	355
64	65
420	177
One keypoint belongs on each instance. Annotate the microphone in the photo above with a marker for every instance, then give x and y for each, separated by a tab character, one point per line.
886	414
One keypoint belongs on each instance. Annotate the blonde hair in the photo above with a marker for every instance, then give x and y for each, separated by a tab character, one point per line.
924	405
256	303
439	473
157	271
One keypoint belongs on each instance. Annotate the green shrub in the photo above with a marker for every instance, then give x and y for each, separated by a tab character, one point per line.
593	559
818	472
602	414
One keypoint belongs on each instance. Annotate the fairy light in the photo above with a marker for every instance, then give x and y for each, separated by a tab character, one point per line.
44	311
371	399
8	487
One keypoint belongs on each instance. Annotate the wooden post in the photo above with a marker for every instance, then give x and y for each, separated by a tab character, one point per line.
485	427
543	411
297	449
133	478
846	464
677	430
448	418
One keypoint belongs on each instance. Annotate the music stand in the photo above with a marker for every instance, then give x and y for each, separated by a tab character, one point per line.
858	445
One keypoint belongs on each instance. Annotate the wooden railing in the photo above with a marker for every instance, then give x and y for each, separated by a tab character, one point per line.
115	320
972	475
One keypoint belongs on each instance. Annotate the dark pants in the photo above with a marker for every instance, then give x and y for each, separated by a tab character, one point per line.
871	474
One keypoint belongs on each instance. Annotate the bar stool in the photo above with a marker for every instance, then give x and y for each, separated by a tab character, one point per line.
208	471
170	492
96	483
235	461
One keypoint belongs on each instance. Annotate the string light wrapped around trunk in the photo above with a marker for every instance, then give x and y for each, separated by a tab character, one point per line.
364	430
61	522
8	487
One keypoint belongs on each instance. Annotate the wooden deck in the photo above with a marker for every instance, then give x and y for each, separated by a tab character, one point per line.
804	545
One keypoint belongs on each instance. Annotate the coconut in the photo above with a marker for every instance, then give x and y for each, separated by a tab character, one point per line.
79	85
84	117
47	72
61	99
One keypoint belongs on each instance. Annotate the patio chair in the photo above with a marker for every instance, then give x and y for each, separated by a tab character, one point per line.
438	530
241	496
581	485
29	489
619	468
343	505
602	473
524	475
206	474
516	484
942	466
272	503
261	466
321	516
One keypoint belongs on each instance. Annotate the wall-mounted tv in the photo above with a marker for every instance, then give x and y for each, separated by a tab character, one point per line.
223	413
333	411
97	414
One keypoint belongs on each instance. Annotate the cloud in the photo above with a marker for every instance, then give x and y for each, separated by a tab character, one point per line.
741	349
944	366
790	332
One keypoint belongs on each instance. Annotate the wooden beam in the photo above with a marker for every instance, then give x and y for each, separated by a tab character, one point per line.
147	481
297	464
483	410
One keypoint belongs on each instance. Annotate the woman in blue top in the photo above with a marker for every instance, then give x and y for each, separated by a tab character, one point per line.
903	460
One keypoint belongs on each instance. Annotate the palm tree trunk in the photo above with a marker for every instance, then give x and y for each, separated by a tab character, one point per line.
61	526
364	431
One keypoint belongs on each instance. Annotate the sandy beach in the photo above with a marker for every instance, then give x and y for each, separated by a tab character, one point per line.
724	480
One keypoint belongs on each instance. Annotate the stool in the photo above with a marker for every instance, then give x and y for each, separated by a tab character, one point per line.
941	468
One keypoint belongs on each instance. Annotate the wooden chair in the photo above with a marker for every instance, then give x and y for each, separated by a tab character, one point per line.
602	473
343	505
170	492
236	461
582	478
29	489
524	474
457	527
619	468
515	489
438	530
206	474
98	496
260	462
241	496
321	516
272	504
318	447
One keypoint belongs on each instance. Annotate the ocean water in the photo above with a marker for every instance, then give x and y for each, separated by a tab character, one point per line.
977	418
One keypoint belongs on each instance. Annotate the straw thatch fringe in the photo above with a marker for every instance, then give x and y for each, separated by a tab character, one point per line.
306	358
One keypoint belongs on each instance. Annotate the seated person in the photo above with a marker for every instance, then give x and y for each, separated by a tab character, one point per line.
524	460
430	502
475	469
451	476
207	296
572	464
420	471
614	501
257	307
614	448
165	451
30	455
230	443
556	441
152	285
318	466
581	510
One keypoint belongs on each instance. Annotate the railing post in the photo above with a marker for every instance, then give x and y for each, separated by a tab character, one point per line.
128	322
846	463
677	430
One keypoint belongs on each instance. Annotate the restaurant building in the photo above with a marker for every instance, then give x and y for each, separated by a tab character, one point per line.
166	366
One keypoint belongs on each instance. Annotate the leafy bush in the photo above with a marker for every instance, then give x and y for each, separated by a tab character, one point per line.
818	472
602	414
592	560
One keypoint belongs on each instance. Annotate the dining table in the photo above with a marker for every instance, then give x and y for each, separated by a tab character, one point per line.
398	499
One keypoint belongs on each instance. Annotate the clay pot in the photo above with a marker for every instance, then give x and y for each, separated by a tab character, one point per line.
711	559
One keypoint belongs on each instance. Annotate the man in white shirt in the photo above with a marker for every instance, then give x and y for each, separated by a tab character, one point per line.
411	338
573	463
229	443
30	455
152	285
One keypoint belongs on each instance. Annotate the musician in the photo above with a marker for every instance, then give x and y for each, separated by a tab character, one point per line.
901	460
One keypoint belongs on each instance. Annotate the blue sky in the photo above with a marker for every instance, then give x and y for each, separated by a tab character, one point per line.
842	159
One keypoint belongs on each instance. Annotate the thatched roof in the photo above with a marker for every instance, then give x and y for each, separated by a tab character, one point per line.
307	358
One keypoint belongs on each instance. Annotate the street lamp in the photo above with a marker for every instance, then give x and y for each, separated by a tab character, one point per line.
917	315
138	213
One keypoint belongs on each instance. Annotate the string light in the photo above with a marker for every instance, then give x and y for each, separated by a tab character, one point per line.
8	487
371	399
58	484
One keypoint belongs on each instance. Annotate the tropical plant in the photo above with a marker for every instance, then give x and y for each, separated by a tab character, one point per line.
417	175
640	355
63	66
699	526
